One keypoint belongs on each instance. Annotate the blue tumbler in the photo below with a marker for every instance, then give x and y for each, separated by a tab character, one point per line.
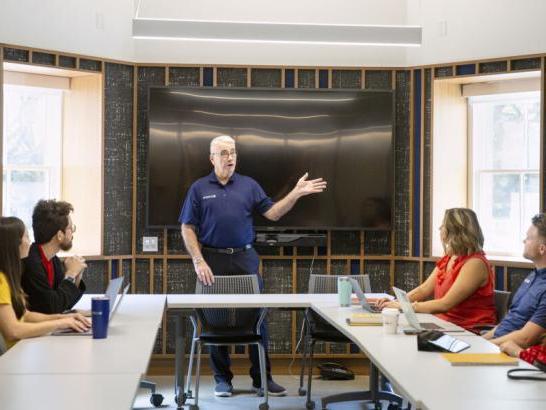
100	311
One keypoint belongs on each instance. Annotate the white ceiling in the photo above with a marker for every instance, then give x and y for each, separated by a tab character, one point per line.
452	30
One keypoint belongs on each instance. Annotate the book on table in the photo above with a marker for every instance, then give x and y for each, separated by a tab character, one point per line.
365	319
480	359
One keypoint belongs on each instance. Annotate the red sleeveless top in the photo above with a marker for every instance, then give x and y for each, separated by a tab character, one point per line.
478	308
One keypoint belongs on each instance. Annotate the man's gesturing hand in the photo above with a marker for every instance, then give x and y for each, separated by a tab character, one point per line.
311	186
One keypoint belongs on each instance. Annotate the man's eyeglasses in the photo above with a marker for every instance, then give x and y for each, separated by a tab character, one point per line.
71	227
225	153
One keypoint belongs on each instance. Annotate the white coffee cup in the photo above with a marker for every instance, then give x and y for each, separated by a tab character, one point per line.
390	320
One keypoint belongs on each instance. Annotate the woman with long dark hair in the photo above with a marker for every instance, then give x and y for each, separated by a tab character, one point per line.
16	322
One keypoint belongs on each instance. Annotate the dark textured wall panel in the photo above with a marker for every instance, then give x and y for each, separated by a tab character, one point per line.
378	79
346	79
428	267
126	266
180	276
406	275
142	275
493	67
147	77
158	276
266	77
377	242
43	58
118	161
90	65
427	162
379	272
158	346
16	54
345	242
306	79
525	64
175	243
67	61
184	76
465	69
306	267
277	276
515	277
440	72
231	77
339	267
402	196
95	276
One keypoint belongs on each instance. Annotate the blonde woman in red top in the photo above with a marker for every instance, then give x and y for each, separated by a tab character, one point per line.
460	288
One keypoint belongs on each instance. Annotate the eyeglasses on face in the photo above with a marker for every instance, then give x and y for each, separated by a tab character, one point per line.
226	153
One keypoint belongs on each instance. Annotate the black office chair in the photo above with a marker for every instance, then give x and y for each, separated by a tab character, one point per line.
502	303
317	329
226	327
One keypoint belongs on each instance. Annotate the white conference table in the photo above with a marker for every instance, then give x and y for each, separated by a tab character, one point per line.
428	380
68	391
79	369
425	378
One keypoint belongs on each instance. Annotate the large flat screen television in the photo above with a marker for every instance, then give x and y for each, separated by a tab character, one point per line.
343	136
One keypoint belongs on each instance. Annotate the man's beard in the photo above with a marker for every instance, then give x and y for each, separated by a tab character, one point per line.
66	246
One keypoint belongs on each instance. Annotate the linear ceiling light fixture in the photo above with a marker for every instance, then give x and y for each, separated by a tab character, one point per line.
268	32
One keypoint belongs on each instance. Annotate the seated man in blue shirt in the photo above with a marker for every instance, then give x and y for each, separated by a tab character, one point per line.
525	322
217	227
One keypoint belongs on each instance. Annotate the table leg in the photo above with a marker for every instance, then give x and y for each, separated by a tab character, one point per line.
179	364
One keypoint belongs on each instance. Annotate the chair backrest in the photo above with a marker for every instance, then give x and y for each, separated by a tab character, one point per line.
229	321
328	283
502	301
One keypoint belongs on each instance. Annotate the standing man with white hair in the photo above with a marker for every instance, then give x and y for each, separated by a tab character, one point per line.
217	227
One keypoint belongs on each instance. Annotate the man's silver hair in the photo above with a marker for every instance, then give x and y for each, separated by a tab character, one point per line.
220	139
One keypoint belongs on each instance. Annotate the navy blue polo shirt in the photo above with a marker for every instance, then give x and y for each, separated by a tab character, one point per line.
223	214
528	304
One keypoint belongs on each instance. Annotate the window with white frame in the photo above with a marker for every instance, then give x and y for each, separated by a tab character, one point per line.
504	175
32	148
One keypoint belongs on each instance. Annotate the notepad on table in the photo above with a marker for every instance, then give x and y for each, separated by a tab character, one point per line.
365	319
480	359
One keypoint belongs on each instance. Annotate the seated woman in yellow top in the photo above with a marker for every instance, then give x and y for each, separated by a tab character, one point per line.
15	321
461	285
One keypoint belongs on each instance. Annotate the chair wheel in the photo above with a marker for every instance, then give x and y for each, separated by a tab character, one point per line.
393	406
310	405
378	406
194	407
263	406
156	399
180	400
302	391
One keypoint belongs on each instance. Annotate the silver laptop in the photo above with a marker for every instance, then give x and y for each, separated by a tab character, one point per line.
411	317
372	308
111	292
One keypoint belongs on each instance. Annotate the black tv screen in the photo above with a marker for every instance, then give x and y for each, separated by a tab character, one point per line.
343	136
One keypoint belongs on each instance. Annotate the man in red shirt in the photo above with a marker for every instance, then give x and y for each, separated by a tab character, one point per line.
51	285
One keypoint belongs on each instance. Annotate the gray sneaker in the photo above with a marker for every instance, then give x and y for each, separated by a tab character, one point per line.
273	389
223	389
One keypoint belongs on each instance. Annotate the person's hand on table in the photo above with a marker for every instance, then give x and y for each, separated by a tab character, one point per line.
387	303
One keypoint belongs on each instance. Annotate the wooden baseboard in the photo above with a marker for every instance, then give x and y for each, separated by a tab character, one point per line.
240	366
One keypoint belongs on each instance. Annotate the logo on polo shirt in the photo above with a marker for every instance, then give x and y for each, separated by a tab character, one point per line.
209	196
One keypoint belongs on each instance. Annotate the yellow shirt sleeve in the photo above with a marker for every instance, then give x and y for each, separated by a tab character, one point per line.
5	293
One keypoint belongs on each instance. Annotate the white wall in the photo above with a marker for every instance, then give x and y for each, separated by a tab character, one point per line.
100	28
476	29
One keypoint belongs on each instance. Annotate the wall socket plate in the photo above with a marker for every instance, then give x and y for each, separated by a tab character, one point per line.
149	244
